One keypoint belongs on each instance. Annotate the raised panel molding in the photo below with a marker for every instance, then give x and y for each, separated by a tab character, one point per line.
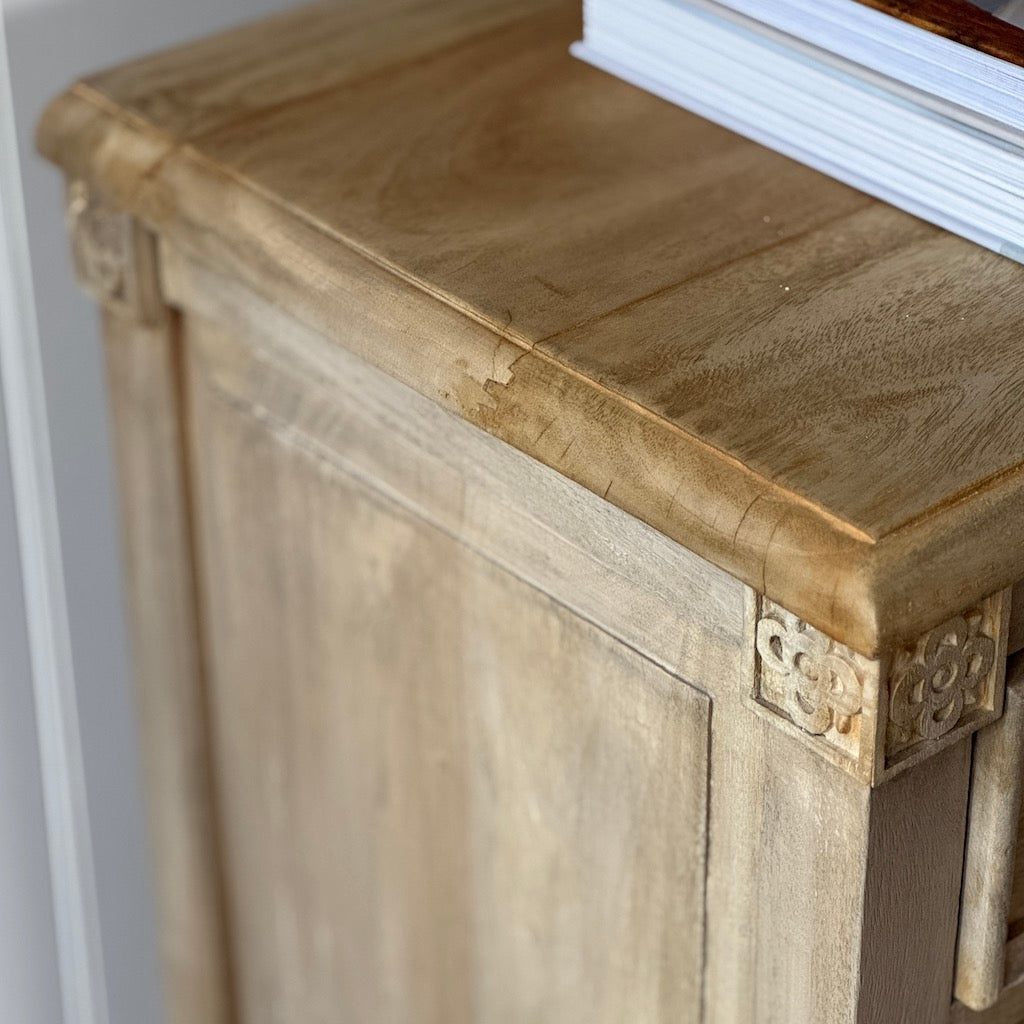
875	716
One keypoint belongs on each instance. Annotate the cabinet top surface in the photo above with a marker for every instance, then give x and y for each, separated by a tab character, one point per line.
818	385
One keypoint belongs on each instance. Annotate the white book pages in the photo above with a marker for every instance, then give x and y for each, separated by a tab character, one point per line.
899	50
822	111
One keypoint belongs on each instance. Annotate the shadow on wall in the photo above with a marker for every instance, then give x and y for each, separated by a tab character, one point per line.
51	43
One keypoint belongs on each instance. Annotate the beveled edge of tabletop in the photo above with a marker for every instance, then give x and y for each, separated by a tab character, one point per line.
870	594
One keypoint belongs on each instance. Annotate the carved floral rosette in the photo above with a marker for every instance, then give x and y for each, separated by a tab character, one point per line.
876	716
814	681
945	680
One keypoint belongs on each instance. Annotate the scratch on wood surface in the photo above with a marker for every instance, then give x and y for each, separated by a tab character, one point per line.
551	287
675	495
550	424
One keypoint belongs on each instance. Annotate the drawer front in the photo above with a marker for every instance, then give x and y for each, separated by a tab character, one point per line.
444	797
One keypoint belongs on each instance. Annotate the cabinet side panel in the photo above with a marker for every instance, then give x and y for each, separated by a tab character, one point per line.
161	603
627	578
447	798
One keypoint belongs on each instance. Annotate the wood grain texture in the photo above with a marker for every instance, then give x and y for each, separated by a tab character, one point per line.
773	364
789	836
502	192
914	863
992	842
143	376
193	89
653	288
611	569
786	875
471	804
484	733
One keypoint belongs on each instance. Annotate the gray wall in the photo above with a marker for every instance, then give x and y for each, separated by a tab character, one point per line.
28	953
52	42
29	972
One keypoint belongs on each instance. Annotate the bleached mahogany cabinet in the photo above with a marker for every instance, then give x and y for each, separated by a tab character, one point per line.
571	548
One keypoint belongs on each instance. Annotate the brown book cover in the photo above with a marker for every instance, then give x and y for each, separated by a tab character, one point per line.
977	25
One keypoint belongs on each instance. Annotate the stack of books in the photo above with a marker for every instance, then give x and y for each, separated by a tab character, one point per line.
918	102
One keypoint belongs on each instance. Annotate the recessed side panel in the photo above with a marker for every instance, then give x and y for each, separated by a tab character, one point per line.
444	796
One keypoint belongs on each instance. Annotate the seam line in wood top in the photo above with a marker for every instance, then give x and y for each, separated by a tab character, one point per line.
704	272
529	347
185	149
200	160
447	298
207	165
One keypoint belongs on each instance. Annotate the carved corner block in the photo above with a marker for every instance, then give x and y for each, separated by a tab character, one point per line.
819	690
876	716
949	683
114	256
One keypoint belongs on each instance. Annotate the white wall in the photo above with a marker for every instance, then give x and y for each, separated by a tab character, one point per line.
50	43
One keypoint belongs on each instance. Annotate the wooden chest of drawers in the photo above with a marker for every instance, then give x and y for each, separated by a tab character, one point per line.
572	550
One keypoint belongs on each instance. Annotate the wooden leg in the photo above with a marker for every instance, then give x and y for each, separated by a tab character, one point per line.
115	260
838	819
